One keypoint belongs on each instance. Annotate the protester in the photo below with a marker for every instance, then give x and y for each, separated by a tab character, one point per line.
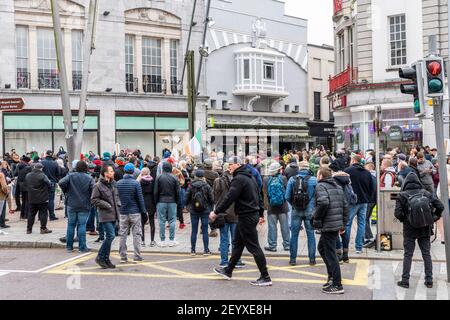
330	217
53	173
275	190
38	186
249	208
387	179
105	197
3	196
199	199
131	210
426	171
22	170
300	194
166	195
147	185
418	210
77	187
369	237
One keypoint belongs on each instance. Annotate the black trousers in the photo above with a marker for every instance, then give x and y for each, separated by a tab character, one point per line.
368	233
17	198
409	244
2	212
43	215
327	250
247	237
25	209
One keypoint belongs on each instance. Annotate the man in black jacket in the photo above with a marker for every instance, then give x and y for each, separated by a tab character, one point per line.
38	186
53	173
330	217
412	186
249	207
22	170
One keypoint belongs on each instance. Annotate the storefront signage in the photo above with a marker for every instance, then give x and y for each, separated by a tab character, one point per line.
395	133
321	130
339	137
12	104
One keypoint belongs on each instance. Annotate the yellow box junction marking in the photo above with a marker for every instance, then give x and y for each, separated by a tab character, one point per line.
360	277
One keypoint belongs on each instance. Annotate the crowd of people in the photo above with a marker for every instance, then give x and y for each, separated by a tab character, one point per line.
316	190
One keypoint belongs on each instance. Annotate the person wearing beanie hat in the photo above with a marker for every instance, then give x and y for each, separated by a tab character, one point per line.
131	211
167	196
249	208
199	200
106	156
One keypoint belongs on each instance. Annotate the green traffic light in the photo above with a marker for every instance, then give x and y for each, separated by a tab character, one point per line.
417	106
435	85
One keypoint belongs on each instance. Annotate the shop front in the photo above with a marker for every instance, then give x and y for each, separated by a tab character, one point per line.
323	133
42	131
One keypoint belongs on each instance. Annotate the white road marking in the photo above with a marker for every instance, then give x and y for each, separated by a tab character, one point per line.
45	268
3	273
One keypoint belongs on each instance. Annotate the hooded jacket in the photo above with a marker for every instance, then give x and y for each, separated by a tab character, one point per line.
312	182
411	186
211	176
38	186
220	189
361	182
105	197
199	184
331	209
148	185
402	174
426	178
244	193
22	170
167	187
291	170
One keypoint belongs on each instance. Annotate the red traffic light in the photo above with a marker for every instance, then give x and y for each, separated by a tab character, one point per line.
434	68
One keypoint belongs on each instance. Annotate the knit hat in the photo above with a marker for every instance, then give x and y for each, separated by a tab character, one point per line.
38	166
74	163
199	173
129	168
106	156
303	165
274	168
208	164
97	162
401	156
166	154
26	158
292	160
120	161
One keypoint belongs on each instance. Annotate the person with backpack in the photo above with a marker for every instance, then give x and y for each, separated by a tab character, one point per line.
387	179
199	198
418	210
300	195
275	189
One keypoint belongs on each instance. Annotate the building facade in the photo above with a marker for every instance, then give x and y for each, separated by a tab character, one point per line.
321	67
135	94
256	78
373	39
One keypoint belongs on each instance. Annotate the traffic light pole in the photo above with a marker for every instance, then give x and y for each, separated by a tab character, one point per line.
442	160
191	91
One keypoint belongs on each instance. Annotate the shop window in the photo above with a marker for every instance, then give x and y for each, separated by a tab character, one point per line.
133	140
269	71
25	142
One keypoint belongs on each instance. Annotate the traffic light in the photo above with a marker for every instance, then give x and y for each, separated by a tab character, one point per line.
434	77
415	88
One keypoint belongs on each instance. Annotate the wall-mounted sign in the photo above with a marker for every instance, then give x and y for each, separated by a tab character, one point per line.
11	104
395	133
339	137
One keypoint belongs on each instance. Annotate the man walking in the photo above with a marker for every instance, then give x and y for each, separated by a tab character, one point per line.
418	210
166	195
249	208
38	189
53	173
131	210
330	217
300	194
77	187
363	187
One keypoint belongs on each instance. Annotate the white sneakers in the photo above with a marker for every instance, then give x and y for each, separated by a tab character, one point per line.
173	243
164	244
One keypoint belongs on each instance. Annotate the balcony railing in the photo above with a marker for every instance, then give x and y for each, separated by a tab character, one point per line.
343	79
23	80
337	7
48	80
154	84
176	86
132	83
76	80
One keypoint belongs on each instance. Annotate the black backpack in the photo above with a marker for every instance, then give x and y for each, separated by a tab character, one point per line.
300	196
198	199
420	213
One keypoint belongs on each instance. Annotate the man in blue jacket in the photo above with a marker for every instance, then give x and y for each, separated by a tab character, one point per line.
302	210
132	207
77	187
53	173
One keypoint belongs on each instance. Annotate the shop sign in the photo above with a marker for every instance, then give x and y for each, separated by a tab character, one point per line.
11	104
321	130
339	137
395	133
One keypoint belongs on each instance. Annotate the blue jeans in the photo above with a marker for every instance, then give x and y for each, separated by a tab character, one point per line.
51	200
272	232
290	216
229	229
90	225
359	211
195	220
296	223
76	219
105	249
167	212
182	200
100	227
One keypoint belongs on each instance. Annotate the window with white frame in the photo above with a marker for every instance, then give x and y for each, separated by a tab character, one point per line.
269	71
151	65
351	46
77	59
397	40
129	64
48	76
174	44
22	74
317	68
246	69
341	52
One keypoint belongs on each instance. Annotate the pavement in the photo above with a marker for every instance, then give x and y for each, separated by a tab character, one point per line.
16	237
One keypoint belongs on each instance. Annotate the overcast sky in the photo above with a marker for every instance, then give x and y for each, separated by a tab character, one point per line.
319	14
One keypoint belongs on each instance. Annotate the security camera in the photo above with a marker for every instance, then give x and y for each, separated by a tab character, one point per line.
204	51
